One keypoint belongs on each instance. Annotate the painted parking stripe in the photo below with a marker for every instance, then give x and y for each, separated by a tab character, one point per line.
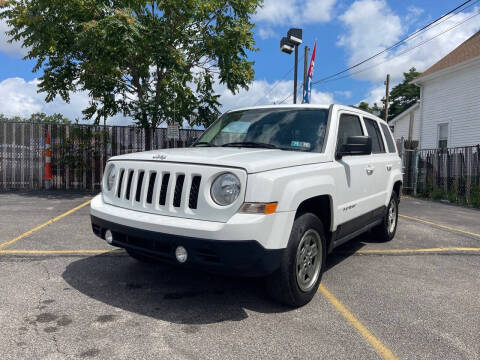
413	251
58	252
379	347
41	226
440	225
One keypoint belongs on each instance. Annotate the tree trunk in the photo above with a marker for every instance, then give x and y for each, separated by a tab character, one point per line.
148	138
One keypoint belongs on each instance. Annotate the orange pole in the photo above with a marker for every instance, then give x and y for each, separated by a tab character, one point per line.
48	162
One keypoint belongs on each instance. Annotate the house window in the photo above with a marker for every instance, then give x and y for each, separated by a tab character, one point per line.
443	136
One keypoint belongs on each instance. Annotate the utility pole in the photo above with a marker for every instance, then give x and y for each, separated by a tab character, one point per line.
305	70
387	96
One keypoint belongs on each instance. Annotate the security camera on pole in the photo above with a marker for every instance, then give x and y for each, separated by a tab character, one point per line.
287	45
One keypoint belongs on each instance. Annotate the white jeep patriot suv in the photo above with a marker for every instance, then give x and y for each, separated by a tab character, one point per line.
265	191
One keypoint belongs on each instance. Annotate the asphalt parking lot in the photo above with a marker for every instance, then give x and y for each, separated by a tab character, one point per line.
65	294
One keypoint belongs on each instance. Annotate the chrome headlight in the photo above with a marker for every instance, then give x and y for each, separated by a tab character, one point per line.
225	189
111	176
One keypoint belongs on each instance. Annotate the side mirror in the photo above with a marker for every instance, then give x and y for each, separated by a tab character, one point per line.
356	145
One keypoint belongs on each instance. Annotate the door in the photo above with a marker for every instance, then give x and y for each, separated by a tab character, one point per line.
354	181
380	163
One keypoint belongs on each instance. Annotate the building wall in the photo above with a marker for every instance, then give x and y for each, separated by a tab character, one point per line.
452	98
401	125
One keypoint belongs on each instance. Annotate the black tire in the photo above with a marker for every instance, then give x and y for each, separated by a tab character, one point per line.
385	232
283	285
140	257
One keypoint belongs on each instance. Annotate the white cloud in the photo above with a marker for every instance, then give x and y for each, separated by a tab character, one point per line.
20	98
262	92
372	26
413	14
14	49
375	95
347	94
295	12
266	33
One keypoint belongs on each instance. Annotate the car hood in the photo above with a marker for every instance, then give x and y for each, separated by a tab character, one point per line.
251	159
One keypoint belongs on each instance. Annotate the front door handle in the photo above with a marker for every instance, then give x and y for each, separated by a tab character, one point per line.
369	169
389	167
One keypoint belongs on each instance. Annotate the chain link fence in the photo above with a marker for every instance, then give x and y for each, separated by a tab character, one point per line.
79	152
451	174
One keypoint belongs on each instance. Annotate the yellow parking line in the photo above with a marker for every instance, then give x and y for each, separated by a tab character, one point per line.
439	225
41	226
406	251
379	347
55	252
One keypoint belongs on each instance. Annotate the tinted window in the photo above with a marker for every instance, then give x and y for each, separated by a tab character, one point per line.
349	126
388	137
374	133
286	129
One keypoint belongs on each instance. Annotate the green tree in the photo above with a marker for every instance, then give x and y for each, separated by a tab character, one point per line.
38	118
51	119
404	94
151	60
374	109
364	105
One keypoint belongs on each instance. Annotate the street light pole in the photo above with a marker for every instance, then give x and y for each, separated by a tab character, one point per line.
289	44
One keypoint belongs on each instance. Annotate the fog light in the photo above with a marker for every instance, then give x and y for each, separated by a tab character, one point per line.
109	236
181	254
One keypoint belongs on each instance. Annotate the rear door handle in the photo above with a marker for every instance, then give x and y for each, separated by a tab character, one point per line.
389	167
369	169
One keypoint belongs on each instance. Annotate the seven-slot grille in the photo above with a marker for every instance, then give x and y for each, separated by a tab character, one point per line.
153	187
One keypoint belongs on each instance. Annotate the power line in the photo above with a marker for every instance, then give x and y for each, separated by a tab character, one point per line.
289	96
278	82
409	37
399	54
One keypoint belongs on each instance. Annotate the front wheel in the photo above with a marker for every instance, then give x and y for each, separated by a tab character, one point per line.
388	227
296	281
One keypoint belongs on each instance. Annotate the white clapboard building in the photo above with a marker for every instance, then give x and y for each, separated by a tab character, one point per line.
448	114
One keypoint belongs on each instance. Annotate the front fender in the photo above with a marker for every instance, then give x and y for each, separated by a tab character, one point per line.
290	187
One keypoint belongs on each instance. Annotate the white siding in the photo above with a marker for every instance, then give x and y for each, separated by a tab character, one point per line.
453	98
400	127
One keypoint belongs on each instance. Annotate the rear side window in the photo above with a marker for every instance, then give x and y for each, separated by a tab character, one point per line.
388	137
374	133
349	125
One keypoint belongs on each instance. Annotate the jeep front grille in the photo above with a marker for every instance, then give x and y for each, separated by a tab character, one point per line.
140	182
171	189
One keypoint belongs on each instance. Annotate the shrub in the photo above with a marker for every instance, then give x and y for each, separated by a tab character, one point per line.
452	192
438	194
475	196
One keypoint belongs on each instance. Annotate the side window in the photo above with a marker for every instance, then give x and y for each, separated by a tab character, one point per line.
374	133
349	125
388	137
443	136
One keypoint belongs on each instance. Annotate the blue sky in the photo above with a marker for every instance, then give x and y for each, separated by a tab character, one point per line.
346	32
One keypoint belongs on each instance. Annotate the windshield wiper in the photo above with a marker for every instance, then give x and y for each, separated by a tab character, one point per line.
251	144
204	143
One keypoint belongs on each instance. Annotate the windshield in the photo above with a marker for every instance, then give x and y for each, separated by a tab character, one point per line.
286	129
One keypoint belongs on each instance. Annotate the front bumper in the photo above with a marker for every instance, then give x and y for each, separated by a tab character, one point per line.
248	244
245	257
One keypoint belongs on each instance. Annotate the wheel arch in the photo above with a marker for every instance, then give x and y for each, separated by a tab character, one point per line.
321	206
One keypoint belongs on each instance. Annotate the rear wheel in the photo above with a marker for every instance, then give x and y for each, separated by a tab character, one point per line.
387	229
296	281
